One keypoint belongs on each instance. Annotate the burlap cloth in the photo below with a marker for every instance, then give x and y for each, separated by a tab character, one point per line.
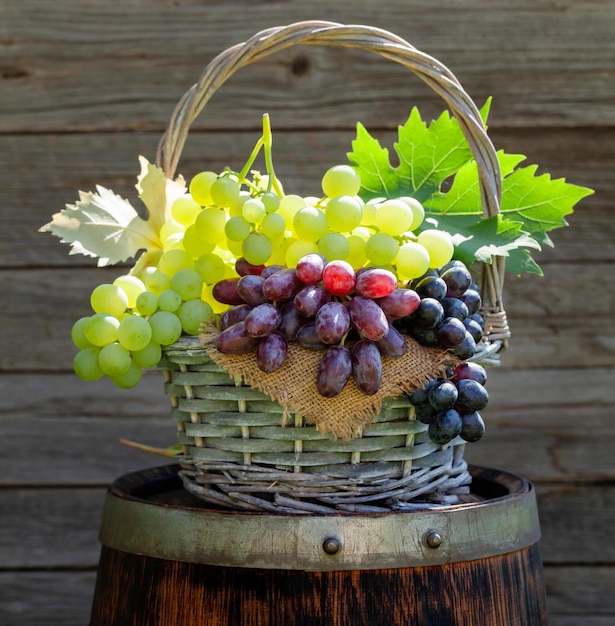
293	386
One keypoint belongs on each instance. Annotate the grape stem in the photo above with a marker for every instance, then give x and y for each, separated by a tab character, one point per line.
265	142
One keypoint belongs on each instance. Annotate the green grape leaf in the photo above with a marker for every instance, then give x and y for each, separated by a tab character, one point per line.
481	239
437	168
428	155
104	225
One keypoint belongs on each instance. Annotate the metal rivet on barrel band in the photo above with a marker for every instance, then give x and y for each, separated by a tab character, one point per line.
331	545
433	539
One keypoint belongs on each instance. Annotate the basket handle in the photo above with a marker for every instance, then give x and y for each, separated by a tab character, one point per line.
439	78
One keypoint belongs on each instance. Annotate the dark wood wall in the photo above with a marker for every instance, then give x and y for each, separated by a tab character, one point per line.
88	85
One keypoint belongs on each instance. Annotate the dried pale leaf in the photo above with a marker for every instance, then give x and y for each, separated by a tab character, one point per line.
103	225
157	192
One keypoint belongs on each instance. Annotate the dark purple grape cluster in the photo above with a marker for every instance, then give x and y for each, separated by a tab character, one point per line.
448	315
452	406
319	305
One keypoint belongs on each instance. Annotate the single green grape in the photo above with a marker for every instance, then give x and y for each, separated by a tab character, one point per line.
412	260
210	224
257	248
101	329
85	364
157	282
237	228
273	225
381	248
393	217
341	180
289	205
310	223
418	212
188	284
166	327
169	300
297	249
271	201
253	210
130	378
114	359
193	244
185	210
192	314
356	251
200	187
210	267
147	303
343	213
224	191
134	333
131	286
439	245
77	333
149	356
172	261
108	298
334	246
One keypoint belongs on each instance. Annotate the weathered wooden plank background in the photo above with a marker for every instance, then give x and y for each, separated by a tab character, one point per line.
88	85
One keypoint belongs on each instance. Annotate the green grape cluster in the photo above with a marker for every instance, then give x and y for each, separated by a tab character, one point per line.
133	318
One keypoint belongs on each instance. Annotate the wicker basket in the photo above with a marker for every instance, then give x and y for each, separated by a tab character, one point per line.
240	448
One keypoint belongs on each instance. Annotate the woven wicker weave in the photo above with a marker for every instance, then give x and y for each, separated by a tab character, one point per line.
237	452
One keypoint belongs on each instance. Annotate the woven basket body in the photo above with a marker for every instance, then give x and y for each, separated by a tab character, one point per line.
241	449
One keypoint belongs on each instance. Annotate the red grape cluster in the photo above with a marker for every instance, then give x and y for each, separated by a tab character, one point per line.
319	305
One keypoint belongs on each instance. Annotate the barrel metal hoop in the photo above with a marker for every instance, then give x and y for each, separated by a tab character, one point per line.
426	537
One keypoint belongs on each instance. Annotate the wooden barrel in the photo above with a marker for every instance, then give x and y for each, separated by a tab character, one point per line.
166	560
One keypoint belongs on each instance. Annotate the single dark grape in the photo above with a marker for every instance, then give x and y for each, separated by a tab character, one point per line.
307	337
271	269
243	268
425	336
472	426
399	304
421	395
366	366
368	318
271	352
225	291
471	371
291	321
262	320
445	426
443	396
332	322
235	340
233	315
449	332
453	307
478	318
474	329
392	345
431	287
282	285
424	413
334	371
457	279
471	298
250	288
428	314
472	396
309	299
466	348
